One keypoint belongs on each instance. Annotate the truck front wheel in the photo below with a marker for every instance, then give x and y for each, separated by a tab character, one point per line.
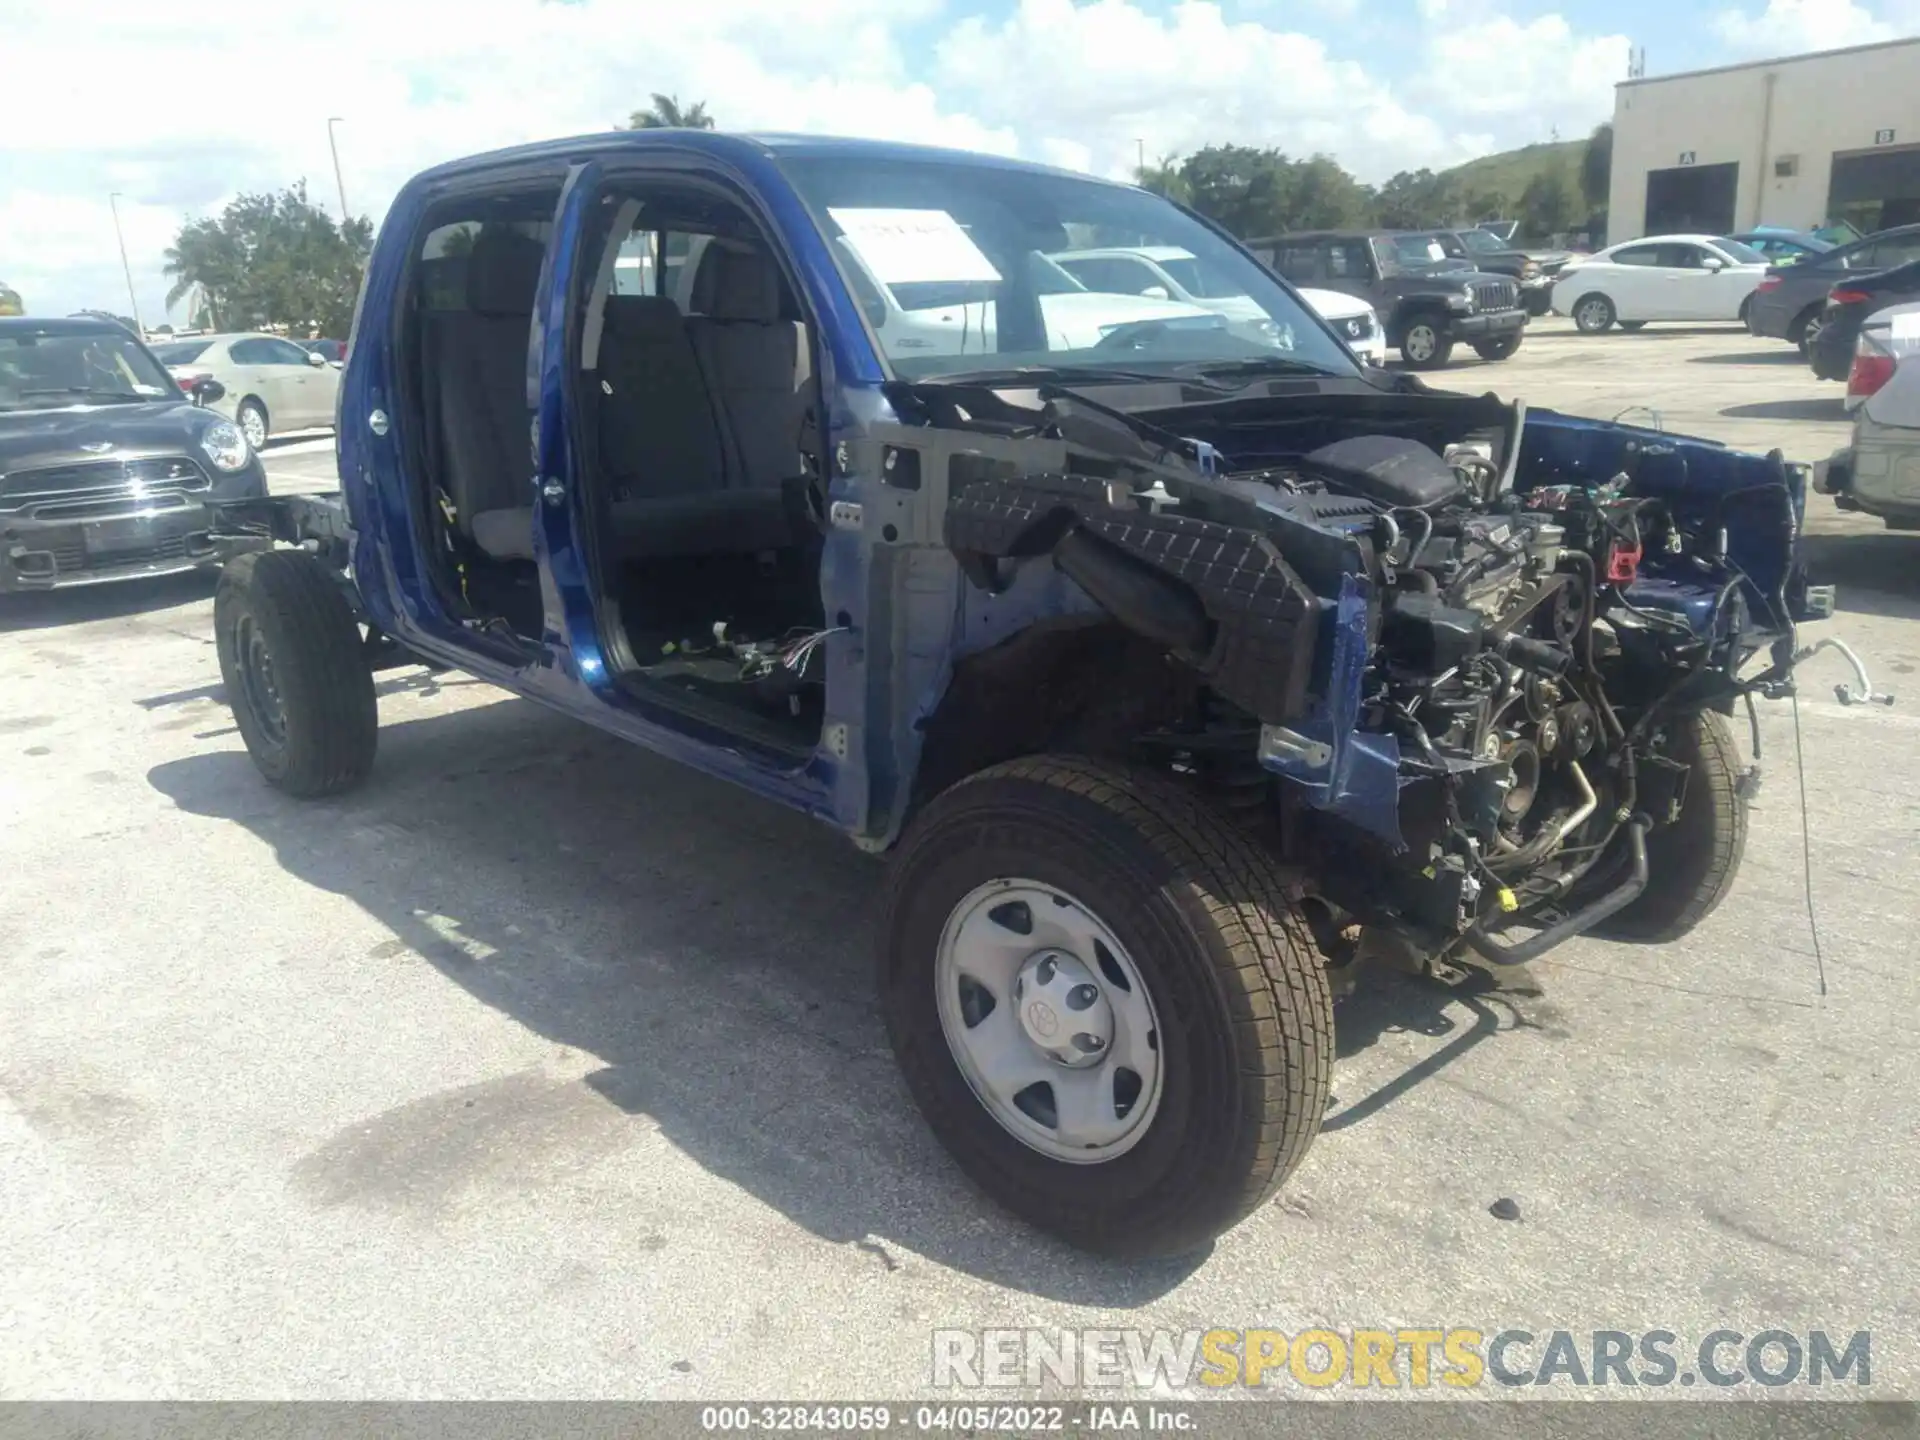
1104	1003
1426	345
295	673
1691	862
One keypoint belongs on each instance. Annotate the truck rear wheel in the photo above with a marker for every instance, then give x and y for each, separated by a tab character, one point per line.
1104	1004
295	673
1692	862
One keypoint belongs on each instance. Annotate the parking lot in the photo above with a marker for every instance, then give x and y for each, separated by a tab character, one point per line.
541	1067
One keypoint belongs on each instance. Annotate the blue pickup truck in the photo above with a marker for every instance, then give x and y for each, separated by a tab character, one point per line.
1185	666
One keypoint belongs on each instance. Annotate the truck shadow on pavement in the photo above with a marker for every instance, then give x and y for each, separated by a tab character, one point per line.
709	953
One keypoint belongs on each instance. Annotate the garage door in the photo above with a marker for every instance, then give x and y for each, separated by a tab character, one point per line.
1691	200
1872	189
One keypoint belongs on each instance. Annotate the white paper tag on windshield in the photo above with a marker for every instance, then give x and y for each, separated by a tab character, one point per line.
904	247
1434	251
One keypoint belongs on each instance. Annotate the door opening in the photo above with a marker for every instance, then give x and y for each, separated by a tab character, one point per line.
1691	199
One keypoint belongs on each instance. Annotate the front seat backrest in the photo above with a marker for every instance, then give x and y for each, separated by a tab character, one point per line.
755	357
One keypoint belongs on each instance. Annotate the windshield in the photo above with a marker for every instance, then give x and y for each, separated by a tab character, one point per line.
1480	242
1201	280
1741	254
951	263
181	352
43	371
1418	250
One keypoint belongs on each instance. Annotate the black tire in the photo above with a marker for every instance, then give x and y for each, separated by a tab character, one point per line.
1244	1012
1805	328
1501	349
252	408
1426	343
1632	325
1593	314
1692	862
295	673
1746	309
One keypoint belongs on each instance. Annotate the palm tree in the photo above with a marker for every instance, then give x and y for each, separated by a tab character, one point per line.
204	263
665	114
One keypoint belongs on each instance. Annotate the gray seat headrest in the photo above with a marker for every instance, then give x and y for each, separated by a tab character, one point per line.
503	271
737	284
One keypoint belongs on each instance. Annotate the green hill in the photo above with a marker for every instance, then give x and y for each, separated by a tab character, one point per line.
1507	173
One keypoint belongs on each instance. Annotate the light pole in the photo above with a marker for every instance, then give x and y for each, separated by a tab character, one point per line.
1142	144
125	268
339	184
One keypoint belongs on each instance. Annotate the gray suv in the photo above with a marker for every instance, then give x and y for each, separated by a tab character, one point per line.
1427	304
1788	302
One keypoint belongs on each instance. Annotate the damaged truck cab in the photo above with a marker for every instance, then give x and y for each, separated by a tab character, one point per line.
1176	659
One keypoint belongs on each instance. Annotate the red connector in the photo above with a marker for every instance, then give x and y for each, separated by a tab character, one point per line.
1623	563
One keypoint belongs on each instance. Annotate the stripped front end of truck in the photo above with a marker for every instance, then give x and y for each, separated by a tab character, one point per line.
1455	661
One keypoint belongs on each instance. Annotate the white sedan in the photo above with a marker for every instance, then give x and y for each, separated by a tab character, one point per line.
1167	272
271	383
1662	277
1879	473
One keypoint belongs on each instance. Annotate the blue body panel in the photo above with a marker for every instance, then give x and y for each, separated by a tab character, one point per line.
908	613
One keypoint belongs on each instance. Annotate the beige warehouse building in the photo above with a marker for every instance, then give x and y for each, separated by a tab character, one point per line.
1798	142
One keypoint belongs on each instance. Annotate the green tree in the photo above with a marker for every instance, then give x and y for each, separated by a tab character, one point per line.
1413	199
271	260
1166	178
1547	204
1256	192
1324	195
1488	205
665	114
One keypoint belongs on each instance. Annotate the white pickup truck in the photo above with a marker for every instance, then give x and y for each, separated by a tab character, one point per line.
1167	272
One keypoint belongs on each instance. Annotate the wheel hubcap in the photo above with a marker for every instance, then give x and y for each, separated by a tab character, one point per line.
1420	343
1049	1020
1594	314
254	427
257	681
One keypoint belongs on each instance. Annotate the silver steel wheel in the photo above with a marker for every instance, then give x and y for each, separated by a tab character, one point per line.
1421	343
253	425
1812	333
1593	314
1049	1021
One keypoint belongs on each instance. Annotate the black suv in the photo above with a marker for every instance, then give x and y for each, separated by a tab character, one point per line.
1426	302
106	468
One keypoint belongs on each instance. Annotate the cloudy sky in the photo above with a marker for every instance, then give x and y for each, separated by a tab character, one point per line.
178	114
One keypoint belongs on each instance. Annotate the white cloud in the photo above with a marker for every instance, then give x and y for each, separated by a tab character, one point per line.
1178	80
1547	73
427	80
1788	27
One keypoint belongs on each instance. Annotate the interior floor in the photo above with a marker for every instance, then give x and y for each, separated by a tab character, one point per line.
733	628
